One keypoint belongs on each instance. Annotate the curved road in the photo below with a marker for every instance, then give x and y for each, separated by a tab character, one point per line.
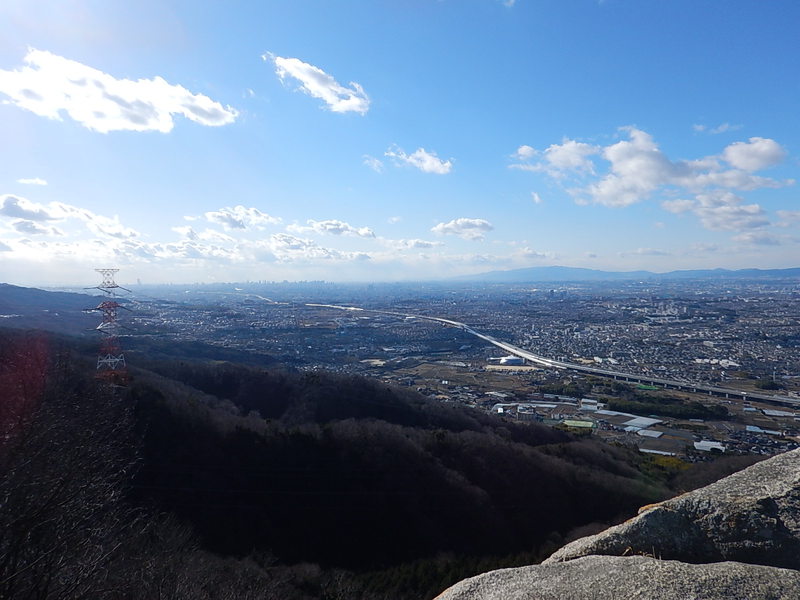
556	364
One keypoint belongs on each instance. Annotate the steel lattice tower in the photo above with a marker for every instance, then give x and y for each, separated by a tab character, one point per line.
111	360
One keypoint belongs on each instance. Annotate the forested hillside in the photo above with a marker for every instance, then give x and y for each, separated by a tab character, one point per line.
211	479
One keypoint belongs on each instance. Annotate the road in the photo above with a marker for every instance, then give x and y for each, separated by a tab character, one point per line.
556	364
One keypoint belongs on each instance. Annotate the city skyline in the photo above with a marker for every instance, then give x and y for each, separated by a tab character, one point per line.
351	141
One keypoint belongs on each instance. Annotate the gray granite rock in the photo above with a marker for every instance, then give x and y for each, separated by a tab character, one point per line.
752	516
630	578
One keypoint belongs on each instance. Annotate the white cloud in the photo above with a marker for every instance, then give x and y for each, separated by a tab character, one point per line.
721	128
97	224
638	169
333	227
756	154
239	217
413	244
529	253
788	217
49	85
537	199
525	152
22	208
207	235
317	83
186	249
290	248
468	229
425	161
28	211
757	238
32	181
373	163
5	247
393	220
650	252
558	159
703	248
678	206
720	210
571	155
34	228
186	231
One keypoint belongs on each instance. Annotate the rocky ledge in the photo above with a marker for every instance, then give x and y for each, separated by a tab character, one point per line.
736	538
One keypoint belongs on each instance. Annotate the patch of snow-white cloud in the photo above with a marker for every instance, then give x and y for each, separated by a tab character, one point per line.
528	253
332	227
637	170
465	228
317	83
34	228
207	235
32	181
525	152
98	224
720	210
536	198
22	208
33	212
373	163
287	248
427	162
411	244
755	154
721	128
558	160
50	85
239	217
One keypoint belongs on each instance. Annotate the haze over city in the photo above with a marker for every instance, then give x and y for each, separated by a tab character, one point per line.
356	140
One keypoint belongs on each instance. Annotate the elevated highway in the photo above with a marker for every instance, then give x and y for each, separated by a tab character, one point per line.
674	384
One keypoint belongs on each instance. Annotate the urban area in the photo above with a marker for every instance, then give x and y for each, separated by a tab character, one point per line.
742	337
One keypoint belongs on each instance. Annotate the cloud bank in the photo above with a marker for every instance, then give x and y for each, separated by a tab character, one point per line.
50	85
636	169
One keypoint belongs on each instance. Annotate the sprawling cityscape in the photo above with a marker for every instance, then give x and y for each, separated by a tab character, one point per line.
685	369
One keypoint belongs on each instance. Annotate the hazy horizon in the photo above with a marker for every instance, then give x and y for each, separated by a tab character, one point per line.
359	141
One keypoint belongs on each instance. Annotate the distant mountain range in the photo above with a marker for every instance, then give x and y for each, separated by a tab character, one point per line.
556	274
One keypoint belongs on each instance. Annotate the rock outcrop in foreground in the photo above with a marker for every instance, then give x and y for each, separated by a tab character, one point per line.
630	578
675	549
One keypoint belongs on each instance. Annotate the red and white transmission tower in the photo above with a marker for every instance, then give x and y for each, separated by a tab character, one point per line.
111	361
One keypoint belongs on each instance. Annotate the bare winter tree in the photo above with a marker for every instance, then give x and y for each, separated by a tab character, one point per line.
64	458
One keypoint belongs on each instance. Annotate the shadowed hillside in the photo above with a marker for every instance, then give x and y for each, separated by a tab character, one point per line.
287	484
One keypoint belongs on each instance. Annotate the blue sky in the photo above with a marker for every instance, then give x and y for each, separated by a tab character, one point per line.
414	139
